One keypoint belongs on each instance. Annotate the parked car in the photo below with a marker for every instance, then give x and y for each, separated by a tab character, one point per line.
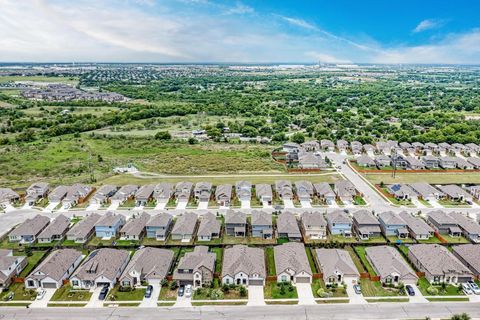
474	287
41	294
103	293
181	290
10	296
466	289
148	292
410	290
188	291
357	288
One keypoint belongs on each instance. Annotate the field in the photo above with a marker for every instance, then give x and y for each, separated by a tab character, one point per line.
433	178
67	80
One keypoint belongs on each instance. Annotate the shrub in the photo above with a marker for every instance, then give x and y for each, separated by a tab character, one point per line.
243	291
173	285
216	294
164	283
432	290
226	288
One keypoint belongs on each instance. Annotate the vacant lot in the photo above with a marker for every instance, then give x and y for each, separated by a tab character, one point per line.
434	178
69	80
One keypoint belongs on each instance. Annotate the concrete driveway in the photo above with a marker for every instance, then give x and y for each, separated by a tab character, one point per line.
418	204
352	295
418	297
266	205
203	205
94	302
305	204
435	204
288	204
245	204
305	294
181	205
160	205
183	302
51	206
93	206
44	301
255	296
152	301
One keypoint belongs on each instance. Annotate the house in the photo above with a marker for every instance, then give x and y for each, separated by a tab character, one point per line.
163	192
387	263
314	225
336	266
123	194
399	161
101	268
474	191
55	231
159	226
291	263
183	191
223	195
443	147
147	264
345	191
54	270
447	163
202	191
469	255
144	195
243	265
366	225
474	161
457	148
417	227
262	226
455	193
365	161
463	164
369	149
36	192
304	190
76	194
392	224
356	147
243	190
431	147
196	268
134	229
28	231
383	161
342	145
10	266
209	227
405	145
426	191
470	228
431	162
339	223
291	147
325	192
413	163
418	146
310	146
83	230
184	228
103	194
310	160
443	223
109	225
402	191
438	264
328	145
235	223
264	193
57	194
287	226
472	149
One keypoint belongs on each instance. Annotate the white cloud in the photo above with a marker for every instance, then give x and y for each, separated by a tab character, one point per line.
299	23
240	8
428	24
326	58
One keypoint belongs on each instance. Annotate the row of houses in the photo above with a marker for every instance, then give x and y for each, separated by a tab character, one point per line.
414	162
427	192
62	93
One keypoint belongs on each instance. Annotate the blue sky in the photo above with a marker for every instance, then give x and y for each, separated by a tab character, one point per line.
337	31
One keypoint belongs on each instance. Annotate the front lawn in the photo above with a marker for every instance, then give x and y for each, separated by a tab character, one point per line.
20	293
283	290
375	289
428	289
327	292
66	293
226	292
168	292
126	294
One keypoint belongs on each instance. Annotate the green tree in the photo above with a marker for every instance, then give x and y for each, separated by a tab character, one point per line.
298	137
163	135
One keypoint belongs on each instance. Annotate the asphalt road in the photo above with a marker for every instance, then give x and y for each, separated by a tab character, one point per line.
370	311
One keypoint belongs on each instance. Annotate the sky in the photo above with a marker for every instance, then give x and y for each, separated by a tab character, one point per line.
247	31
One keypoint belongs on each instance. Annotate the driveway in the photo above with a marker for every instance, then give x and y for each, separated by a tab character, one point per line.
255	296
51	206
305	204
418	297
354	298
203	205
418	204
46	298
181	205
305	294
113	206
288	204
183	302
245	204
152	301
266	205
94	302
435	204
93	206
160	205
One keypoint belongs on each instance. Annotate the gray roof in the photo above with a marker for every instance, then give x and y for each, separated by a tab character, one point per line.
56	265
104	262
160	220
235	217
304	187
109	219
333	261
387	260
36	190
183	189
200	186
416	225
31	226
338	216
82	228
440	217
437	260
57	227
345	188
365	217
151	263
365	160
313	219
261	218
185	223
291	255
104	191
324	189
163	190
391	218
241	258
223	191
287	223
453	190
125	192
400	190
135	226
7	259
200	257
471	227
474	161
263	190
58	193
77	191
470	253
145	192
424	189
414	162
208	225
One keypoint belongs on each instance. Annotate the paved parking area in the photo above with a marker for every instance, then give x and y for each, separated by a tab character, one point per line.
305	294
94	302
352	295
418	297
44	301
255	296
152	301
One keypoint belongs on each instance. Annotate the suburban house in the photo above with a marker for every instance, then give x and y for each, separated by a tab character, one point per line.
264	193
455	193
426	191
202	191
310	145
366	162
184	228
223	195
356	147
284	189
314	225
196	268
262	226
431	148
304	190
54	270
369	149
469	255
418	146
103	194
463	164
339	223
83	230
470	228
287	227
342	145
336	266
392	224
183	191
57	194
345	191
36	192
417	227
10	266
413	163
431	162
291	147
447	162
443	147
474	191
472	149
76	194
402	191
209	227
328	145
438	264
28	231
109	225
366	225
443	223
474	161
383	161
310	160
144	195
147	264
243	265
101	268
325	192
291	263
235	223
389	265
163	192
55	231
159	226
134	228
243	190
123	194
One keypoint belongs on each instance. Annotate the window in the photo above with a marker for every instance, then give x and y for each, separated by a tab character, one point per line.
75	283
284	278
227	281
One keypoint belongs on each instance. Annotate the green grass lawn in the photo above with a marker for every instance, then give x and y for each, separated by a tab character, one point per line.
136	294
96	241
33	261
311	259
395	239
70	243
218	262
432	239
272	290
450	239
341	239
167	295
271	271
356	259
126	243
233	292
379	239
375	289
66	293
20	293
361	252
449	290
333	292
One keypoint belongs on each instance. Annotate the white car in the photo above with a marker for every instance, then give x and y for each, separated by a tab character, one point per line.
466	289
188	291
474	287
41	294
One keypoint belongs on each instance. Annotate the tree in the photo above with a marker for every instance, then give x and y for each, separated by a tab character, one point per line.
298	137
243	291
163	135
463	316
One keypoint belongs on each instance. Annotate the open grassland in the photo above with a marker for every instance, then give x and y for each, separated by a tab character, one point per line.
66	80
433	178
